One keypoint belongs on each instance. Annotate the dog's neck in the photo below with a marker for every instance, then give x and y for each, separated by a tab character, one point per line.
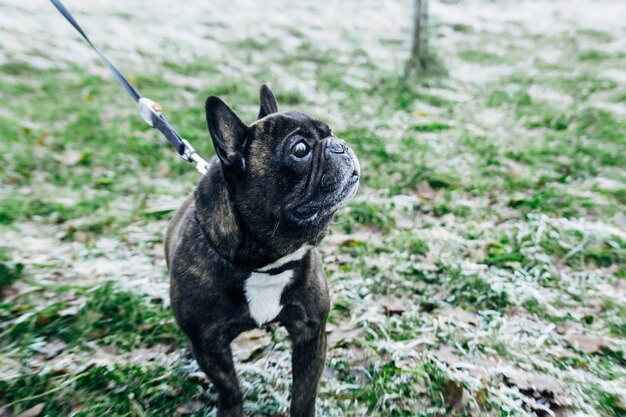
226	232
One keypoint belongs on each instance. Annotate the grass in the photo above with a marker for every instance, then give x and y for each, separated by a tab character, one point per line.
107	315
95	390
489	227
9	273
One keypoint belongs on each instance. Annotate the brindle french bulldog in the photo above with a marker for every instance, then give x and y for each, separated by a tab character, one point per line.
242	249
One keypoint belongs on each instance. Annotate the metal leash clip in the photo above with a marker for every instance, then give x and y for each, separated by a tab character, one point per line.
190	155
151	111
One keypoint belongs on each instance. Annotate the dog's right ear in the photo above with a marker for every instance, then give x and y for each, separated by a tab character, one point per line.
268	102
228	133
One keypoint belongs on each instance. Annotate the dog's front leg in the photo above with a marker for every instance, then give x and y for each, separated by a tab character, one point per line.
213	354
309	355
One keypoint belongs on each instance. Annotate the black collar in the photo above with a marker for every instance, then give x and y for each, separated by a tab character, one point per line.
210	242
274	271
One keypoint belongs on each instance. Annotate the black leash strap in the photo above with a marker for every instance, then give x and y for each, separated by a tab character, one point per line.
148	109
123	81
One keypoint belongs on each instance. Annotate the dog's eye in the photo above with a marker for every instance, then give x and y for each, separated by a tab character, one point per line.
300	149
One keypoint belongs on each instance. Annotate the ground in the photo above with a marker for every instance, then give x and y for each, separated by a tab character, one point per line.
479	271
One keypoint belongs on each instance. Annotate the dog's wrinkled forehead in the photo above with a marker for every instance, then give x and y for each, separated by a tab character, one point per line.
278	126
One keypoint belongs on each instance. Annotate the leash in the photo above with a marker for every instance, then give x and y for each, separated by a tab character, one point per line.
149	111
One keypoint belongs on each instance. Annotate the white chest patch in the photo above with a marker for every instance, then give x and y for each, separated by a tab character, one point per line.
263	292
296	255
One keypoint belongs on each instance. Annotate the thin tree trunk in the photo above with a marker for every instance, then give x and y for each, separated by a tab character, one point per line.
417	62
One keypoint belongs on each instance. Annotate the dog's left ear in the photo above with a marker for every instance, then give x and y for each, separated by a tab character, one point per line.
268	102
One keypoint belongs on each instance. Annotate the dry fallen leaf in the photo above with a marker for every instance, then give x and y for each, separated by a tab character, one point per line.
280	414
187	409
250	345
537	386
617	403
391	305
586	343
342	239
342	337
453	394
33	411
110	349
445	354
425	191
456	315
83	237
507	213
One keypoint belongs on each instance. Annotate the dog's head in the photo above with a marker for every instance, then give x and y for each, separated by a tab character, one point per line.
286	172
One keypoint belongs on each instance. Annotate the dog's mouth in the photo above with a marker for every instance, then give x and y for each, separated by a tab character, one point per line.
305	211
312	211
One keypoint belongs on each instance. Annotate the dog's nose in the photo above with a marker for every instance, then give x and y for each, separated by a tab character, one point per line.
335	145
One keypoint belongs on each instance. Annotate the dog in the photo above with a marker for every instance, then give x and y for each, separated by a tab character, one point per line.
241	250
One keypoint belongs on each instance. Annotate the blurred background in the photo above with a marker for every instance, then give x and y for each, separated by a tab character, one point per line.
479	271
